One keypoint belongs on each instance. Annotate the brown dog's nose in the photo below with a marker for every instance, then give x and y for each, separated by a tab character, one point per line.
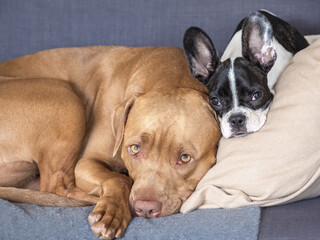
147	209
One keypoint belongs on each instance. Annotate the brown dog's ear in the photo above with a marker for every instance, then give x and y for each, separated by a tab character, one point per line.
120	115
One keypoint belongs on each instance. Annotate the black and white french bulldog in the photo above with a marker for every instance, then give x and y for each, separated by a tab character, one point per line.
241	83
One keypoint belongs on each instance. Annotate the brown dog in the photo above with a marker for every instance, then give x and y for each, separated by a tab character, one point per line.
145	102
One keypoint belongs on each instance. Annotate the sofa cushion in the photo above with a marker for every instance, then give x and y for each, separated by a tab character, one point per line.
298	220
29	222
281	162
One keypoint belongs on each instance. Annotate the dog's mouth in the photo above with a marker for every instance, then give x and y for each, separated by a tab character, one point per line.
240	134
239	131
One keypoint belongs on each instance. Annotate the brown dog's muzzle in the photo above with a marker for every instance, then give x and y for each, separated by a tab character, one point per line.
145	201
156	197
147	209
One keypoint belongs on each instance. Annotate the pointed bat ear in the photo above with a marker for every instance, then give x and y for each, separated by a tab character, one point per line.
201	54
257	41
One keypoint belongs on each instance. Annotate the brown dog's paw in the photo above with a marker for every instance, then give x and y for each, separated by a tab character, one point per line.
109	219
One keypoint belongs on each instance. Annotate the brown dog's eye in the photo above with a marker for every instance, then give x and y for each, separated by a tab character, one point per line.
134	149
185	158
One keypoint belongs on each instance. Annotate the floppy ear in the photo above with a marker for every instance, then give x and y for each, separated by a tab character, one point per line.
120	116
257	44
201	54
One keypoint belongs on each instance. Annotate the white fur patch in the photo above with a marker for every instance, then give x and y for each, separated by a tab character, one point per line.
283	59
233	86
266	38
234	49
255	119
268	49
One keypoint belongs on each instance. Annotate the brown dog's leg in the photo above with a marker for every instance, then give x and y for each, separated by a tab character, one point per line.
59	177
17	174
111	215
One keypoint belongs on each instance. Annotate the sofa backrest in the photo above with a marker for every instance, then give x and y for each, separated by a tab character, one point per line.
34	25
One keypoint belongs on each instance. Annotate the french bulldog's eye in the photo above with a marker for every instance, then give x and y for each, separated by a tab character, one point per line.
215	101
256	96
134	149
185	158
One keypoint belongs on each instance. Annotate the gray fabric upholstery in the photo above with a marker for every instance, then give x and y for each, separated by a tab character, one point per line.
34	25
29	222
300	220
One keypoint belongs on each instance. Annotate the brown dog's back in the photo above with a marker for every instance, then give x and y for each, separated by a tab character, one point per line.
37	113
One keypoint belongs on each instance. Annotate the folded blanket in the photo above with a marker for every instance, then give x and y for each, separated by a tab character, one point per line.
25	221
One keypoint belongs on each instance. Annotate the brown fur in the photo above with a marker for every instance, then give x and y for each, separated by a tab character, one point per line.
143	96
42	131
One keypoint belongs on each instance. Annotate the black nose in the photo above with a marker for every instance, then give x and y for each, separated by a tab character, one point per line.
237	120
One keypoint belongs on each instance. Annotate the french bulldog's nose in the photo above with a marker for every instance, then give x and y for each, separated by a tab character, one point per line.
147	209
237	120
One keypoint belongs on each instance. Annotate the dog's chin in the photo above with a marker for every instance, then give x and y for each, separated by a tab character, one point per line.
239	134
231	133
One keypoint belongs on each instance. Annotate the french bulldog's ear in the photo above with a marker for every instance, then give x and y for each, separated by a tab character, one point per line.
120	116
257	43
201	54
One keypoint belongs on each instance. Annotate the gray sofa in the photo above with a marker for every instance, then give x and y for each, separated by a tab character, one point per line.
34	25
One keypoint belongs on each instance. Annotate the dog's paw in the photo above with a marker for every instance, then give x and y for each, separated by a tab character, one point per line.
110	218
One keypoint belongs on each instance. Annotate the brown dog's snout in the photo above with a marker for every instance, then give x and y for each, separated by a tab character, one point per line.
147	209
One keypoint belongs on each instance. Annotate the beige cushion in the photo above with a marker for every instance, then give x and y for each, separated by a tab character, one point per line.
281	162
